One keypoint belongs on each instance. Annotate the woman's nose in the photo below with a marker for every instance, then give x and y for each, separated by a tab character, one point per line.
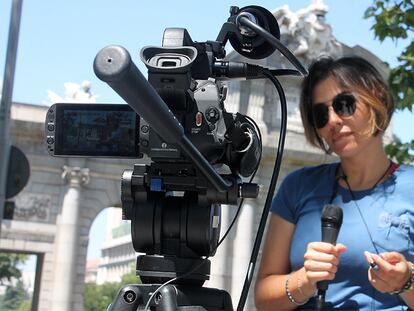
334	118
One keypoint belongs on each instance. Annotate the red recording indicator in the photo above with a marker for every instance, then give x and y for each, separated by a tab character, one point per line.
199	119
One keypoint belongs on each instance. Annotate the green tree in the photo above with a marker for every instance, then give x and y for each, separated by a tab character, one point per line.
9	263
131	277
394	19
98	297
14	297
25	305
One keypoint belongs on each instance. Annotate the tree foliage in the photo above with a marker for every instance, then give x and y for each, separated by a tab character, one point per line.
131	277
394	19
9	266
15	297
98	297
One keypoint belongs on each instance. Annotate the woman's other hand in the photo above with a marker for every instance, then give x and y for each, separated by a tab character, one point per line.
389	273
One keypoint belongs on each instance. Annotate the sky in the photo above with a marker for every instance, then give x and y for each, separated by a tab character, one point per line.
59	40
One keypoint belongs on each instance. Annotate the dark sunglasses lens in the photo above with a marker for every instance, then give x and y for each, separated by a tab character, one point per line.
344	105
320	115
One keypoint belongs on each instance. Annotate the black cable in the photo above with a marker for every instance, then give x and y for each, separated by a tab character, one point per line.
285	72
272	187
351	192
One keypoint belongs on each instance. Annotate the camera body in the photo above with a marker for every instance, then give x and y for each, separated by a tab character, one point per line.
173	206
115	130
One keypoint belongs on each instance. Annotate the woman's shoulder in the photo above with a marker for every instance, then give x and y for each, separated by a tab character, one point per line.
405	171
408	168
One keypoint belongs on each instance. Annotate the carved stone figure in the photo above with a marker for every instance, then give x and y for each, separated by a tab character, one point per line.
32	207
306	32
74	93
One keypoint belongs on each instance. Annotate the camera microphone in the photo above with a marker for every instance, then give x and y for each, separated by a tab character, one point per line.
114	66
257	35
331	223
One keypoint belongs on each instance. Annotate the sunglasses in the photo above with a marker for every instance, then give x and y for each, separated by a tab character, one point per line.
344	105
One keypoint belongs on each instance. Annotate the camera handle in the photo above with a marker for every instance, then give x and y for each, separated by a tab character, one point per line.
171	298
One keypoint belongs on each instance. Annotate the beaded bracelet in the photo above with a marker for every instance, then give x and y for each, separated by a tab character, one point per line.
289	294
409	285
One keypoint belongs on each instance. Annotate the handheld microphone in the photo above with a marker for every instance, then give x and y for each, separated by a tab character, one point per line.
331	223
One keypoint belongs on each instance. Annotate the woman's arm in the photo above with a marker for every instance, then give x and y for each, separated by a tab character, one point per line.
277	288
270	291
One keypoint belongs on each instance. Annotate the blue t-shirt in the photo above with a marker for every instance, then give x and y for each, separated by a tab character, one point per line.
388	211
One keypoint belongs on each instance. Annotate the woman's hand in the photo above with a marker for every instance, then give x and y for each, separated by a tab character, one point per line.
321	261
391	273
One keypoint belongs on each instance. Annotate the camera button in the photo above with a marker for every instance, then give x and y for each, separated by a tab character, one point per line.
50	140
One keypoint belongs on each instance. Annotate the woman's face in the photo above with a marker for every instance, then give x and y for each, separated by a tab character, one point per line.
344	135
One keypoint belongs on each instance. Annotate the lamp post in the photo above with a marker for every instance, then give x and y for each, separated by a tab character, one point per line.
6	99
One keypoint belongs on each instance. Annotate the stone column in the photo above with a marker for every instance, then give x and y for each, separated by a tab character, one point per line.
67	239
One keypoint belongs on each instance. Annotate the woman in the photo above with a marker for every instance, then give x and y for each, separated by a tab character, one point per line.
345	108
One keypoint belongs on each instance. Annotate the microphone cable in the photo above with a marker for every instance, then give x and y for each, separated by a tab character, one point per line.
272	187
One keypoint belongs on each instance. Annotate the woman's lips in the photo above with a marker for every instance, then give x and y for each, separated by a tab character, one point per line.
339	136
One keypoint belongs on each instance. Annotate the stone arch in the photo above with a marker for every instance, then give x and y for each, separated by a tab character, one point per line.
38	224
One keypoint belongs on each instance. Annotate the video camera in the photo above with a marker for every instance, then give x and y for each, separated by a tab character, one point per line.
199	152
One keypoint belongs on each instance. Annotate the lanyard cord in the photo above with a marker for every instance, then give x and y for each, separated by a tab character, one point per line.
359	211
391	168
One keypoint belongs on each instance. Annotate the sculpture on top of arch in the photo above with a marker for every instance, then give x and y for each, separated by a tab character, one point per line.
306	32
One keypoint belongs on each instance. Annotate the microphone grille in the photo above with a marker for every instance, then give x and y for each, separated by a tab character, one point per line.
333	214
